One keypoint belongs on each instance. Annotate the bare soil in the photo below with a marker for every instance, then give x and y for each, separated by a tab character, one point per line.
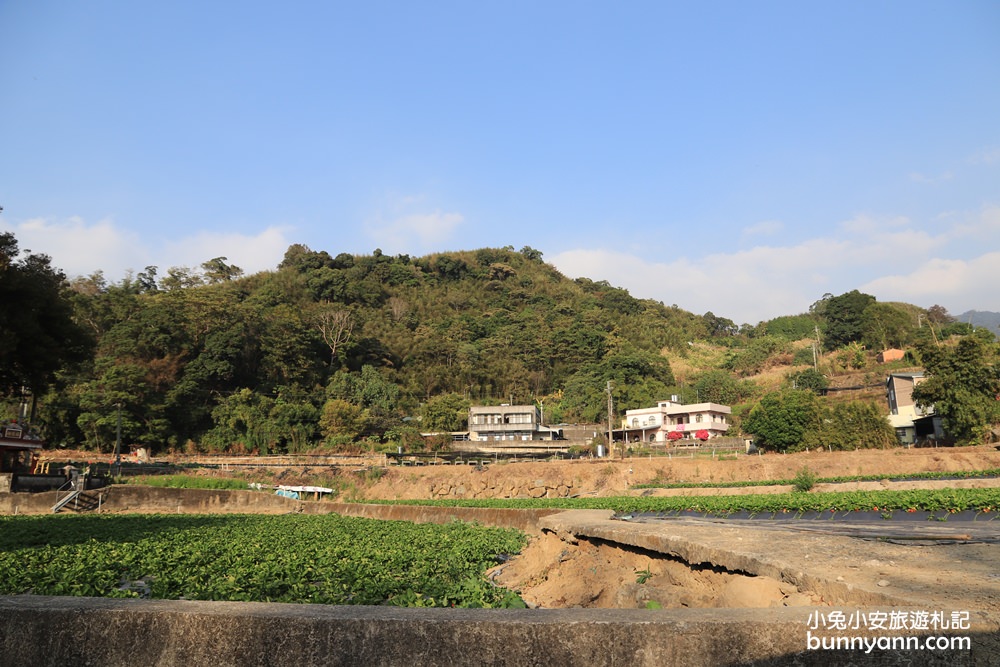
610	477
553	572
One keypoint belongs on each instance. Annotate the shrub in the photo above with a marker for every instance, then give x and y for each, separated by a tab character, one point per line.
804	480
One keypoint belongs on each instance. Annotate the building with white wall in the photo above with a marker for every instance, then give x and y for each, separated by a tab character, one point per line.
686	422
508	422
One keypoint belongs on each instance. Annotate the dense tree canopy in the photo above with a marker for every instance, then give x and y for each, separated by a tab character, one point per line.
340	351
334	348
780	421
962	384
844	316
38	333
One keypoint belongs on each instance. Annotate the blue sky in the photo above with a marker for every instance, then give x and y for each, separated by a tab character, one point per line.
742	158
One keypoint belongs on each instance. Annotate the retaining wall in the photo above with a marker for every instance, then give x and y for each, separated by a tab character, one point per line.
43	631
154	500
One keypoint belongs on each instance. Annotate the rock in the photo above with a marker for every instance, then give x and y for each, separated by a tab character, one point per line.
787	588
882	583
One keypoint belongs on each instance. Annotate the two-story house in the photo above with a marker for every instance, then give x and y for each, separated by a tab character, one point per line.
508	422
685	421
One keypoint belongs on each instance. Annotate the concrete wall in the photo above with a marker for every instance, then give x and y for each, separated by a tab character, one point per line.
147	499
41	631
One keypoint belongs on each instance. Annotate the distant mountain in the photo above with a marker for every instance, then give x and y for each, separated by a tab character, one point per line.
981	318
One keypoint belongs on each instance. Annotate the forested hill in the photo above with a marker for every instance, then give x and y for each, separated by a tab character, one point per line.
347	352
218	358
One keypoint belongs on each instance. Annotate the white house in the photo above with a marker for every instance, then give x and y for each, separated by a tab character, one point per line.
686	421
508	422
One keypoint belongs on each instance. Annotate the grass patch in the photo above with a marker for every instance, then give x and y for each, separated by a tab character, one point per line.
946	500
185	482
963	474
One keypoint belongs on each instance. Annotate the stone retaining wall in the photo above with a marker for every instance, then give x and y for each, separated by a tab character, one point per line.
487	487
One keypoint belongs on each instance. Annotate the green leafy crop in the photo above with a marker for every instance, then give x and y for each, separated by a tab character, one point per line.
325	559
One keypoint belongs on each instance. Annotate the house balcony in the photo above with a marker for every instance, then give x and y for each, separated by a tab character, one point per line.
501	428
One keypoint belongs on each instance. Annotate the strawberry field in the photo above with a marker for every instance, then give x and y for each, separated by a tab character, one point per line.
325	559
982	502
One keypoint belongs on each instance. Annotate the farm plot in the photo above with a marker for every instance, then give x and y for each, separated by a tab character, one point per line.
325	559
938	502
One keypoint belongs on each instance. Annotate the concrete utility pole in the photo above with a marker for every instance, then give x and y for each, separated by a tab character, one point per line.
611	409
816	349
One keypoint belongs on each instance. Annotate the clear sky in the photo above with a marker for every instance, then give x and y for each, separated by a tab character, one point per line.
737	157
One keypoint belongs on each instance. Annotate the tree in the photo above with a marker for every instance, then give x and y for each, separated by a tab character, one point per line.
531	254
217	271
180	277
811	380
885	326
719	327
243	424
449	412
637	380
939	315
792	327
368	389
335	325
780	421
718	386
962	384
342	420
38	333
851	425
845	318
295	419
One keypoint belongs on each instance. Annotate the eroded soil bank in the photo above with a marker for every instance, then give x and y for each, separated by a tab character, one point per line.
553	573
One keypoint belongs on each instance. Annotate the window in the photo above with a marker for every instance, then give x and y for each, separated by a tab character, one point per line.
697	419
635	421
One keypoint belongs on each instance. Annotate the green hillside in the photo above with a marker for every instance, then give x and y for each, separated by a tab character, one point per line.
363	352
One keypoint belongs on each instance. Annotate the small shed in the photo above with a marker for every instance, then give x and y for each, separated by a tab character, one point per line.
885	356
